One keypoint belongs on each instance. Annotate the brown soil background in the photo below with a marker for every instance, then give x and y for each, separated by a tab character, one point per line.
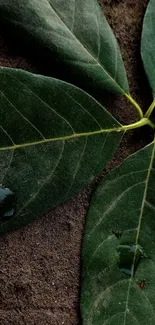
40	264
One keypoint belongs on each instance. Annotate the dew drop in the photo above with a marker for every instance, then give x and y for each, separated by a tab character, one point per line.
129	257
7	203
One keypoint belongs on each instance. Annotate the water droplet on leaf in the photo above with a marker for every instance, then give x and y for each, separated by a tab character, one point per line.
7	203
129	257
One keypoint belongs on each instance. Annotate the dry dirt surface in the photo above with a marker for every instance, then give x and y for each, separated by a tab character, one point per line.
40	264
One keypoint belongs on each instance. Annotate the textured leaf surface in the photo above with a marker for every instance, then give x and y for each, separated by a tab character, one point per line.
121	218
76	32
148	44
47	150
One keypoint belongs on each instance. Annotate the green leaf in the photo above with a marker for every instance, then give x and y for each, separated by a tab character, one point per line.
148	44
76	32
52	142
119	246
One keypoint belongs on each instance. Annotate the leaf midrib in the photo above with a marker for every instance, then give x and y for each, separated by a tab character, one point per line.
67	137
93	58
139	226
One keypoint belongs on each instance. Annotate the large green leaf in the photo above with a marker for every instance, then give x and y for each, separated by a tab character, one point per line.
76	32
51	141
119	246
148	44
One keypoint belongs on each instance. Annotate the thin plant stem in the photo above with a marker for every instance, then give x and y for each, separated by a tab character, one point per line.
135	104
150	110
142	122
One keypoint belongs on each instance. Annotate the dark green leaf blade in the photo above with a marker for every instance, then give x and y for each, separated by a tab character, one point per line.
119	246
76	32
51	142
148	44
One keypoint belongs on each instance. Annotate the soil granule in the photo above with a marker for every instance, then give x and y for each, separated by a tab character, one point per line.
40	264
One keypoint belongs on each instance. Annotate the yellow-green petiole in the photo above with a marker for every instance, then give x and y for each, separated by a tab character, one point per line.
134	103
150	110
